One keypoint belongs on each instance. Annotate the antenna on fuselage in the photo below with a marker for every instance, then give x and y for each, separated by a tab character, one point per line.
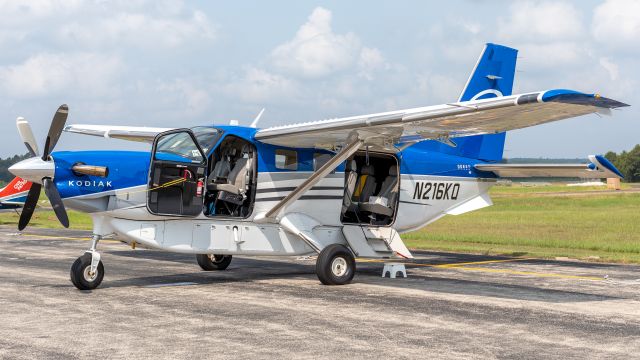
255	121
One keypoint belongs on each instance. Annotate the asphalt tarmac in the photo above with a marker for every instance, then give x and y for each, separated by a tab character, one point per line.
160	305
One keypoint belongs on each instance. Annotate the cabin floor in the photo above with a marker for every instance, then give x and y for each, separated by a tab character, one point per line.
161	305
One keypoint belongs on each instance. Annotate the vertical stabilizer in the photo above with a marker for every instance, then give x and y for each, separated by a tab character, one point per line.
15	191
491	77
493	74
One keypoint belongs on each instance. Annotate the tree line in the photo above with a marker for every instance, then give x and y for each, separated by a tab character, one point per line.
628	162
5	175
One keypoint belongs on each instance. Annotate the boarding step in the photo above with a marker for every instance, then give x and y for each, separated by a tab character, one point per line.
376	242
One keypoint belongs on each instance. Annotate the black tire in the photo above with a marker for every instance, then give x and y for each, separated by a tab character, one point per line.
80	273
219	262
335	265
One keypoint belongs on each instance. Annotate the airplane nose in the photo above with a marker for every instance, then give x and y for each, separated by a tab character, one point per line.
33	169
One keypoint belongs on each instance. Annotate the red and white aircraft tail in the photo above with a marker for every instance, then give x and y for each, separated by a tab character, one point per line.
14	194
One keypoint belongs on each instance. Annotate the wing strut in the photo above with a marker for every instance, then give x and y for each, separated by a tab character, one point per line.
327	168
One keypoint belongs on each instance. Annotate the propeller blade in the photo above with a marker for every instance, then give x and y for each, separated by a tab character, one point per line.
27	136
29	206
56	201
57	124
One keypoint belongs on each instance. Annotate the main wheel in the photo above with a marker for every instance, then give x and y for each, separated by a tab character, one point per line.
81	275
335	265
210	262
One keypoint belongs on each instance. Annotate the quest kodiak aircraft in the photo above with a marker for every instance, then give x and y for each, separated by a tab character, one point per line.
339	188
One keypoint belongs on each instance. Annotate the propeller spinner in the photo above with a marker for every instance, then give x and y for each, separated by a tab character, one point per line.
41	169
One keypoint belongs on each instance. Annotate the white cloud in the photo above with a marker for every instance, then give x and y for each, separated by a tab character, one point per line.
611	68
19	12
46	74
316	51
552	54
99	24
541	22
185	96
617	23
139	29
260	86
370	60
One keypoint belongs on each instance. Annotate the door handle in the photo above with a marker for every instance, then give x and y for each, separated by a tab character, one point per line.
236	235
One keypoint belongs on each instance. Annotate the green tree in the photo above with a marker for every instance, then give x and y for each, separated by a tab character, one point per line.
627	162
5	175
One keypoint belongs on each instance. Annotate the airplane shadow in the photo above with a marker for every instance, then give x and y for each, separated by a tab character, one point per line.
247	270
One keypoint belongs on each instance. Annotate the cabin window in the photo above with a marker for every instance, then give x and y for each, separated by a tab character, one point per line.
319	159
286	159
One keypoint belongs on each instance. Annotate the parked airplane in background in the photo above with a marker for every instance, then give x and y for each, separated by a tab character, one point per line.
14	194
339	188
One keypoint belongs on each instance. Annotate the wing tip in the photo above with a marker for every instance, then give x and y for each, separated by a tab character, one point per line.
580	98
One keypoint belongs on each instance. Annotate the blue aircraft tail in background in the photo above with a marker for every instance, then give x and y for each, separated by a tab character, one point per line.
492	76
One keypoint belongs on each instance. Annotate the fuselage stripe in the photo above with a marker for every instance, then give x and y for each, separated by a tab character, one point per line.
305	197
291	188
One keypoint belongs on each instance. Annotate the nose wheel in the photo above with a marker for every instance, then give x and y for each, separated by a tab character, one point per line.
82	274
87	271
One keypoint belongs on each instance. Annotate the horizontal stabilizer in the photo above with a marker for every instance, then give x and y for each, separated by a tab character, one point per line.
598	168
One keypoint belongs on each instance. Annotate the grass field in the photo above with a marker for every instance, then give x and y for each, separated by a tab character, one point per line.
539	222
47	219
545	221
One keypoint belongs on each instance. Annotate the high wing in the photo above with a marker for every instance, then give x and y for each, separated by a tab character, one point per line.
131	133
445	121
598	168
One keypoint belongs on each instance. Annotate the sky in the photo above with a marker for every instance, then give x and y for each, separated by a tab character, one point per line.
186	63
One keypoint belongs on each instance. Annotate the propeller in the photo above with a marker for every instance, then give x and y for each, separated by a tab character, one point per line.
40	170
27	136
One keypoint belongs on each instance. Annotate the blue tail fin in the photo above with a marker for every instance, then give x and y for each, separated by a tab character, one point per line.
492	76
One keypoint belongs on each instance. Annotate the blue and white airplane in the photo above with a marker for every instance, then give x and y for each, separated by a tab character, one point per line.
339	188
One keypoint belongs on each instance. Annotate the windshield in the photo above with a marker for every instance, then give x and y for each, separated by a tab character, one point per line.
207	136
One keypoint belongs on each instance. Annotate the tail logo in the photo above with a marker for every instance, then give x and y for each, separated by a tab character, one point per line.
20	184
495	92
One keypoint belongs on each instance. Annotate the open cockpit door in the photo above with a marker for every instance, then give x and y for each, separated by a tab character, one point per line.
176	174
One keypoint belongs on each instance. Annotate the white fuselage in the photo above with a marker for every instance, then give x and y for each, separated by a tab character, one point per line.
423	199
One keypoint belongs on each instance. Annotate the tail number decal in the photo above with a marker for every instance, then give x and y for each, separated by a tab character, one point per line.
436	191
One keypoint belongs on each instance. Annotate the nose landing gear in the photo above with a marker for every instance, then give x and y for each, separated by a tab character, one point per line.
87	271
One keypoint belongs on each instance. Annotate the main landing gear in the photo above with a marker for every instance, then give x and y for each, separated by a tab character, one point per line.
209	262
87	271
335	265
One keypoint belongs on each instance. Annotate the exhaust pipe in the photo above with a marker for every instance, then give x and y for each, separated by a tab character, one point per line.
92	170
